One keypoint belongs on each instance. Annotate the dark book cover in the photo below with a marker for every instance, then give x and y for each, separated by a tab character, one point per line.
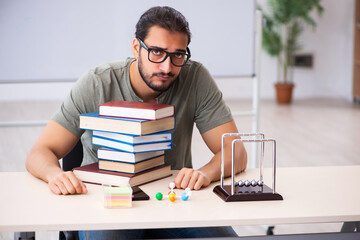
92	174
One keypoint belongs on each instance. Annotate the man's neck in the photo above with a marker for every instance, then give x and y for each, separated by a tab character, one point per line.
139	86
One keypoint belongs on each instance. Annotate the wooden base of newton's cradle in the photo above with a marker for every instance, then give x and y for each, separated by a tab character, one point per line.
244	193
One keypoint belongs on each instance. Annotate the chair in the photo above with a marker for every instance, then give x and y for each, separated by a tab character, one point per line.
74	158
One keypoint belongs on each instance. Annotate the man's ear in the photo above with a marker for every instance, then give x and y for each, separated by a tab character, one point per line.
136	48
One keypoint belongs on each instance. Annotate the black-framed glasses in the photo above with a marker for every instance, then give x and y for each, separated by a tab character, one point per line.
158	55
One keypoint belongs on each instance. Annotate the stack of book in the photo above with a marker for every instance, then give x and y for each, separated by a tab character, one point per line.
133	137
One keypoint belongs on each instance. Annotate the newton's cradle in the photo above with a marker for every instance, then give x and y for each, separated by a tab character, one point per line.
247	190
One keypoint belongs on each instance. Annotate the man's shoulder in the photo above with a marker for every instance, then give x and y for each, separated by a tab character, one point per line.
192	64
194	69
117	66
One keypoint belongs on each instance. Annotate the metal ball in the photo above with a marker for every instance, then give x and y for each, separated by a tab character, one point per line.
253	183
240	183
247	183
260	183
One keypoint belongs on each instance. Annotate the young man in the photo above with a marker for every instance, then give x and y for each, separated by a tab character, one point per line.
159	72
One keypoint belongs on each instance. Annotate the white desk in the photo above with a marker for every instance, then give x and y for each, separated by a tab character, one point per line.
311	195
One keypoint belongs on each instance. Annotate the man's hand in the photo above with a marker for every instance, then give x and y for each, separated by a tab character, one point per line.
67	183
194	179
43	160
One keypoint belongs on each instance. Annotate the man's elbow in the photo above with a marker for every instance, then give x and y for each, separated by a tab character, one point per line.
28	161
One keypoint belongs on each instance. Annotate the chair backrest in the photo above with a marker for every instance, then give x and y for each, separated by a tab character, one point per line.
74	158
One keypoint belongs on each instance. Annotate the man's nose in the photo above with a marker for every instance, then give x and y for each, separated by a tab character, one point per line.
166	65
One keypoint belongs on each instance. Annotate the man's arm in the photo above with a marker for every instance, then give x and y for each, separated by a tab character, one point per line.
195	179
43	159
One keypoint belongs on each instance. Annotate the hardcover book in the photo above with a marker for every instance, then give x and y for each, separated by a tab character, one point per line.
127	147
131	167
133	139
92	174
92	121
115	155
150	111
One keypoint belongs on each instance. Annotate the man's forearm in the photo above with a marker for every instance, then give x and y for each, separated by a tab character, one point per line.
43	164
213	168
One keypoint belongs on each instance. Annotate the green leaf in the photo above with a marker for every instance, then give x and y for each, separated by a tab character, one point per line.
285	21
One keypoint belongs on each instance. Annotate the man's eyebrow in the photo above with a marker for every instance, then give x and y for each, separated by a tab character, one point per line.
165	49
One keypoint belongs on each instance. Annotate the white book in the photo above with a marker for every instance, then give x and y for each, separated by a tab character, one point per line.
151	138
115	155
127	147
141	110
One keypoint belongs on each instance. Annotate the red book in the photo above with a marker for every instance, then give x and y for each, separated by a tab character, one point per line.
91	174
140	110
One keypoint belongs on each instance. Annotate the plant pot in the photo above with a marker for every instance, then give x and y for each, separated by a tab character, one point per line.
284	92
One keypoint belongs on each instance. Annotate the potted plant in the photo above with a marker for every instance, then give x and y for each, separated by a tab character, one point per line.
285	21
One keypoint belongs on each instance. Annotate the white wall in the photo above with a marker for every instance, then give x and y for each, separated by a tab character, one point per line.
51	39
331	76
332	47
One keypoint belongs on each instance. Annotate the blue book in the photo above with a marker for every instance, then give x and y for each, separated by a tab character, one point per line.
134	139
92	121
127	147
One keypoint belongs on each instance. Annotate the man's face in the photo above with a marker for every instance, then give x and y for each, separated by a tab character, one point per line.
160	76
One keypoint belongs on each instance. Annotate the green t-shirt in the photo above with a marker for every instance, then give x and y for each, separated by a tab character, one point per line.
194	94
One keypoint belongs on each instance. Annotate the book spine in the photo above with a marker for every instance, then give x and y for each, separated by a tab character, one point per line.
117	155
133	163
140	151
132	143
134	173
93	129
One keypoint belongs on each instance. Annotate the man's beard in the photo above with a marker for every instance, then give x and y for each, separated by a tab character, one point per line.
150	84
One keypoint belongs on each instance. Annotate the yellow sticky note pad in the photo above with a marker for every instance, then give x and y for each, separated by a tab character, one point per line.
115	197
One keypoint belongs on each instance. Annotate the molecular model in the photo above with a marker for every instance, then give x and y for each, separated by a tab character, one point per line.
172	195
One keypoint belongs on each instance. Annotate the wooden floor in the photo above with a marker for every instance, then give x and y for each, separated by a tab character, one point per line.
310	132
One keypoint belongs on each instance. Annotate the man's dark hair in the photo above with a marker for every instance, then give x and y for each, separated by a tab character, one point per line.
165	17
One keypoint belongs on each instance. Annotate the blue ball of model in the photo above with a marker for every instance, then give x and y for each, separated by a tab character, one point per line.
184	196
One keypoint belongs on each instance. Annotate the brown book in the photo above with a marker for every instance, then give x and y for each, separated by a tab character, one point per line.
114	155
92	121
91	174
131	167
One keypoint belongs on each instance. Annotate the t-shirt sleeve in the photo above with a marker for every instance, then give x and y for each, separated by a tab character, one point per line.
211	110
81	99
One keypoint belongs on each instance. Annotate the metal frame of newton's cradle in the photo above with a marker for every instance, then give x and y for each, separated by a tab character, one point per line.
247	190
